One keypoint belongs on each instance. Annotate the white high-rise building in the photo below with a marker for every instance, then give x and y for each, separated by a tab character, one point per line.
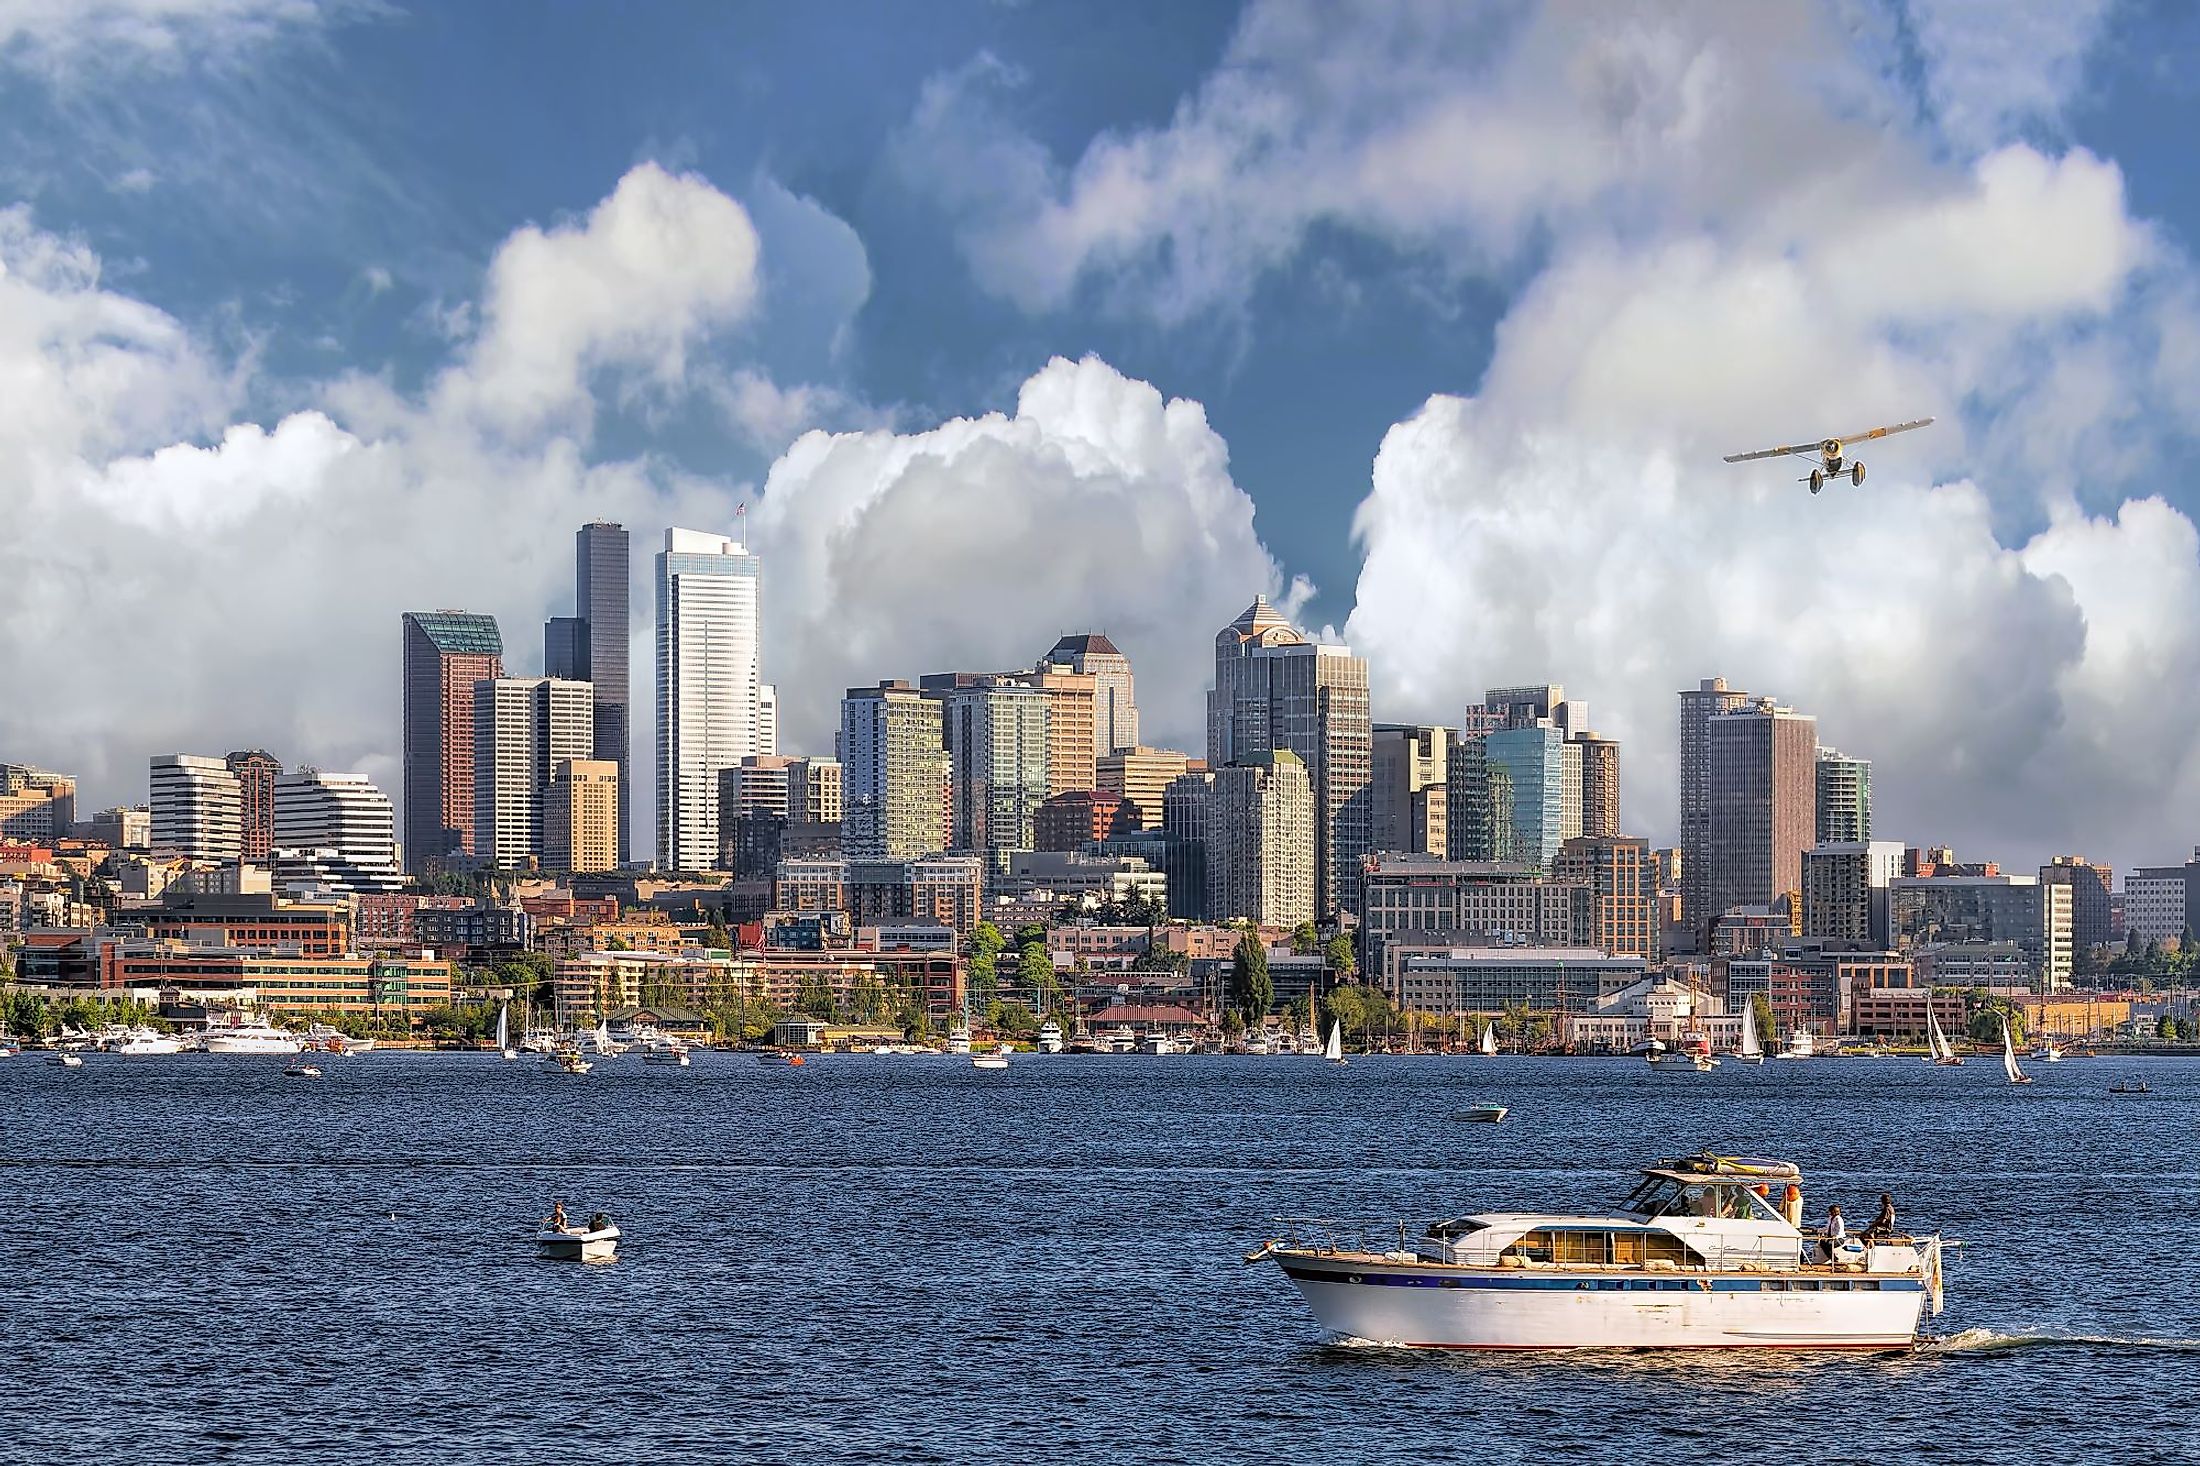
335	833
524	727
767	720
198	807
710	694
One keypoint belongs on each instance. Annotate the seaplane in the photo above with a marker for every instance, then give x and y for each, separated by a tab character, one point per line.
1832	453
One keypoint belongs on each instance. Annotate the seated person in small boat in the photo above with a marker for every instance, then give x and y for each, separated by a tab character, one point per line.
598	1222
1836	1233
1882	1226
556	1221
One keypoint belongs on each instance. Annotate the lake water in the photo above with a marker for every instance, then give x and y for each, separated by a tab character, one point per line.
880	1259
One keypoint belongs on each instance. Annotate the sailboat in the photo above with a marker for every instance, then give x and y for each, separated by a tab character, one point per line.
2009	1055
1751	1051
1333	1050
1489	1040
504	1033
1944	1052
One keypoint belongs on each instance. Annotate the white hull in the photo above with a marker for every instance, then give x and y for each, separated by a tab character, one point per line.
250	1043
140	1047
574	1245
1555	1310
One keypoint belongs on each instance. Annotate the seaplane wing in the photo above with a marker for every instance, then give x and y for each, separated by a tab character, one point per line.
1775	452
1900	427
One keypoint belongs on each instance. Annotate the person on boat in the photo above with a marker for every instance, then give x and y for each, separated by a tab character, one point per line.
598	1222
1836	1233
1882	1226
1791	1205
557	1216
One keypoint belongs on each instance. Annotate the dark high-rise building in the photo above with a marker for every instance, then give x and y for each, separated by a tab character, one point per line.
1761	768
591	646
1699	705
256	769
446	653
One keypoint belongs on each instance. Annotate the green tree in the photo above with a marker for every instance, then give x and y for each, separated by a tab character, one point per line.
1339	958
1305	940
1035	971
1760	1012
2166	1029
1252	990
1029	932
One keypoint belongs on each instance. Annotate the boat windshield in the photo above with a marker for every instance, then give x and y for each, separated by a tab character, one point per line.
1735	1199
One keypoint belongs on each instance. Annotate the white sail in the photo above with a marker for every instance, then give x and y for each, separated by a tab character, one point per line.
2009	1053
1751	1049
504	1028
1334	1049
1942	1049
1489	1039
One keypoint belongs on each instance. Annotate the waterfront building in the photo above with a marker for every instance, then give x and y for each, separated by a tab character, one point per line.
1599	777
994	735
1617	874
709	685
1470	902
259	921
1074	820
1115	701
1845	885
1958	910
1531	758
37	806
894	773
1710	698
198	807
387	991
1409	788
2091	922
1449	980
446	654
580	825
1844	798
333	833
1763	804
1276	691
524	727
2154	904
256	770
1260	841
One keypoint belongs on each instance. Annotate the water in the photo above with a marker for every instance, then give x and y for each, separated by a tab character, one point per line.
873	1259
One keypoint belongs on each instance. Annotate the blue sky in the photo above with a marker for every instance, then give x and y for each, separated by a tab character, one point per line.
1462	303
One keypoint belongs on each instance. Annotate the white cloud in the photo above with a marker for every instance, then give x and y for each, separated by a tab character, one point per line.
970	546
1994	66
54	35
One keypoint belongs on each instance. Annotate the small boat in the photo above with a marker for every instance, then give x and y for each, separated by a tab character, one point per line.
1800	1045
1489	1041
2009	1055
1485	1114
504	1033
569	1061
958	1040
779	1058
2129	1086
1944	1053
598	1241
1680	1060
2048	1053
666	1051
65	1059
1750	1050
298	1069
989	1061
1333	1050
1050	1038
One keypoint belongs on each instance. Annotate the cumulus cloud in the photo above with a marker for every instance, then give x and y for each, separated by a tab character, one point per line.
970	546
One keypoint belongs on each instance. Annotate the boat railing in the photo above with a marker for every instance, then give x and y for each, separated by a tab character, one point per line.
1376	1235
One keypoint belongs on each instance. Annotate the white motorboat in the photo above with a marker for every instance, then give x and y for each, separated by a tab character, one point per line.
256	1037
570	1061
1049	1040
779	1059
602	1044
665	1051
958	1040
1699	1258
1800	1045
1682	1061
299	1069
1159	1043
989	1061
1750	1051
2048	1052
1333	1050
598	1241
66	1059
1485	1114
141	1043
2009	1055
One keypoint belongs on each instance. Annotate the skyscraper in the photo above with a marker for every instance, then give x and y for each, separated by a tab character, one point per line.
1599	785
709	687
1711	697
1763	804
446	653
334	832
198	807
1115	709
1622	891
995	736
1260	840
1139	775
893	773
2090	889
600	589
1073	725
256	770
1275	690
1411	769
1530	759
1844	798
581	816
523	729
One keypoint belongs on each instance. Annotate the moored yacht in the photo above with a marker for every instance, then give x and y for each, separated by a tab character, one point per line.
1800	1045
139	1042
1049	1040
1699	1257
257	1037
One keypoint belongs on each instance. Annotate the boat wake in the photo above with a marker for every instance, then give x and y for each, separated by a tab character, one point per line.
1989	1341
